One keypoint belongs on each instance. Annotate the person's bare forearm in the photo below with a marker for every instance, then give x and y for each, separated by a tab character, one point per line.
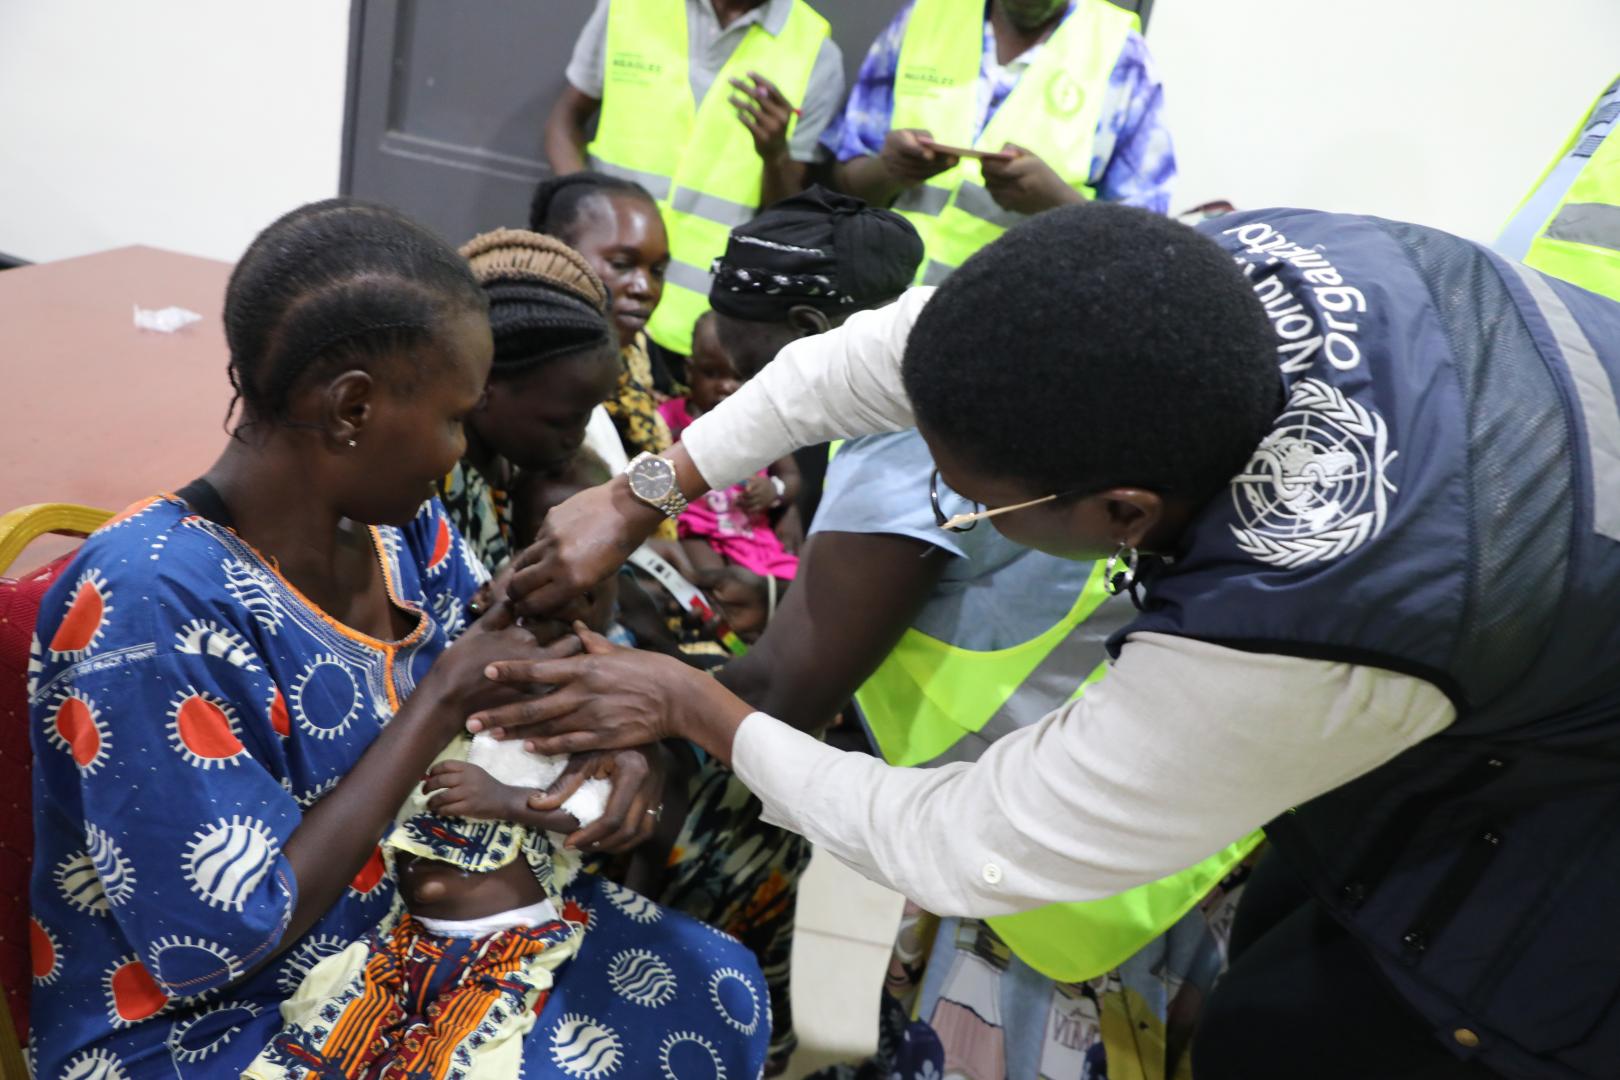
781	178
565	139
867	178
804	704
339	833
565	151
642	519
854	597
691	482
711	716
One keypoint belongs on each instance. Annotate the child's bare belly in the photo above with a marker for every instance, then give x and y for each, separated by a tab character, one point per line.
438	890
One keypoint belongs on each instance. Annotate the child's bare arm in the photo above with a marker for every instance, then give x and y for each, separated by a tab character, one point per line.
787	470
467	791
767	494
527	500
790	530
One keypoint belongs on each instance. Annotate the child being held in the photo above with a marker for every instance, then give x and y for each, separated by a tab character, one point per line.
622	611
619	603
455	975
732	526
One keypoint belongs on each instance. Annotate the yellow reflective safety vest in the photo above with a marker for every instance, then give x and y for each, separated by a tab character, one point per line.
1569	224
931	702
1053	111
697	160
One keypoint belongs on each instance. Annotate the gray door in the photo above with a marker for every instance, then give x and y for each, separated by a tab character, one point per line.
447	101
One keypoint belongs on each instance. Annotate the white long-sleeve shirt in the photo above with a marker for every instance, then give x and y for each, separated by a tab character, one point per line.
1182	749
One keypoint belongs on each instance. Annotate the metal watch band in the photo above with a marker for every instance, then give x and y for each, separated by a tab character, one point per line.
672	504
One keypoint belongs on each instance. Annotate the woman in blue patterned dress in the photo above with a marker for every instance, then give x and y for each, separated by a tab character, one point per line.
235	688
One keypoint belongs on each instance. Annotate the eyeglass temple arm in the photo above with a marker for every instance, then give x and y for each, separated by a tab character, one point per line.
981	515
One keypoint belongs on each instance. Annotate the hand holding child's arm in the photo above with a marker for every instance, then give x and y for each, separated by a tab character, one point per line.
633	809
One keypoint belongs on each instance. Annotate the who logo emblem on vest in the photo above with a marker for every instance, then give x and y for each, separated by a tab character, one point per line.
1315	488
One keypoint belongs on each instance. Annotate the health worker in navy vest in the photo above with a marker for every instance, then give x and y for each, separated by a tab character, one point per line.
946	641
1363	479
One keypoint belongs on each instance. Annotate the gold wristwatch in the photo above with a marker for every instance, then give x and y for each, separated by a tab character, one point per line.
652	481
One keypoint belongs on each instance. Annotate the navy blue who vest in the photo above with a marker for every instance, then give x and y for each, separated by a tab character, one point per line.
1441	496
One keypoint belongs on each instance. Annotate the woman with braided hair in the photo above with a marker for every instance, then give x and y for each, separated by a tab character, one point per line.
616	225
556	360
240	683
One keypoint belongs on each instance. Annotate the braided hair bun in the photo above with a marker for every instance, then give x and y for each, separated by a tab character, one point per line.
545	301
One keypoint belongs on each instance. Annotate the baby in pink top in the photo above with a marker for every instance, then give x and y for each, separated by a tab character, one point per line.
733	526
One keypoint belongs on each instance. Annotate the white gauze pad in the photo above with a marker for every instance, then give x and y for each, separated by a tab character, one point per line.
509	763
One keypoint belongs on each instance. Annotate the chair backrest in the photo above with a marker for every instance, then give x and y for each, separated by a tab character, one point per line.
19	610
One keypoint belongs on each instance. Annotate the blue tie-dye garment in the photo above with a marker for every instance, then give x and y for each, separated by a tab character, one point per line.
1133	161
186	705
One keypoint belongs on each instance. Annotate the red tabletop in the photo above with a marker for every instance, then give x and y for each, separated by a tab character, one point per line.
93	410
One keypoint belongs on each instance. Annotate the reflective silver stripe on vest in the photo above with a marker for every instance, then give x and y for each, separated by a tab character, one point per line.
687	276
923	199
937	272
711	208
657	186
1596	395
1597	224
977	201
1052	683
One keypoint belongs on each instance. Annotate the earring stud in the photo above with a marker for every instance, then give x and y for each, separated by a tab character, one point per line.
353	443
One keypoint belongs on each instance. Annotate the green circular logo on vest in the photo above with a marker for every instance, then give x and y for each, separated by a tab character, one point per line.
1064	96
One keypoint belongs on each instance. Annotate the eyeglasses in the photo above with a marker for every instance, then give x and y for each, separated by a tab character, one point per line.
966	522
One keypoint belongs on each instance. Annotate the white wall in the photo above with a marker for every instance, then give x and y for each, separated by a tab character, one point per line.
1442	112
191	124
185	124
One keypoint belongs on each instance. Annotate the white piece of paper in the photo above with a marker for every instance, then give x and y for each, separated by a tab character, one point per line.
164	320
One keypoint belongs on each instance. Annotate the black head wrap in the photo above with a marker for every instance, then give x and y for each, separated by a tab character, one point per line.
545	300
820	248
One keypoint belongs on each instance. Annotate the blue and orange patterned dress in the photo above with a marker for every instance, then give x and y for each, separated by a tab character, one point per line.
187	705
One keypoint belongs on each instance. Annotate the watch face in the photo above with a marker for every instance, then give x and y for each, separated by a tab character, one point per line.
652	479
